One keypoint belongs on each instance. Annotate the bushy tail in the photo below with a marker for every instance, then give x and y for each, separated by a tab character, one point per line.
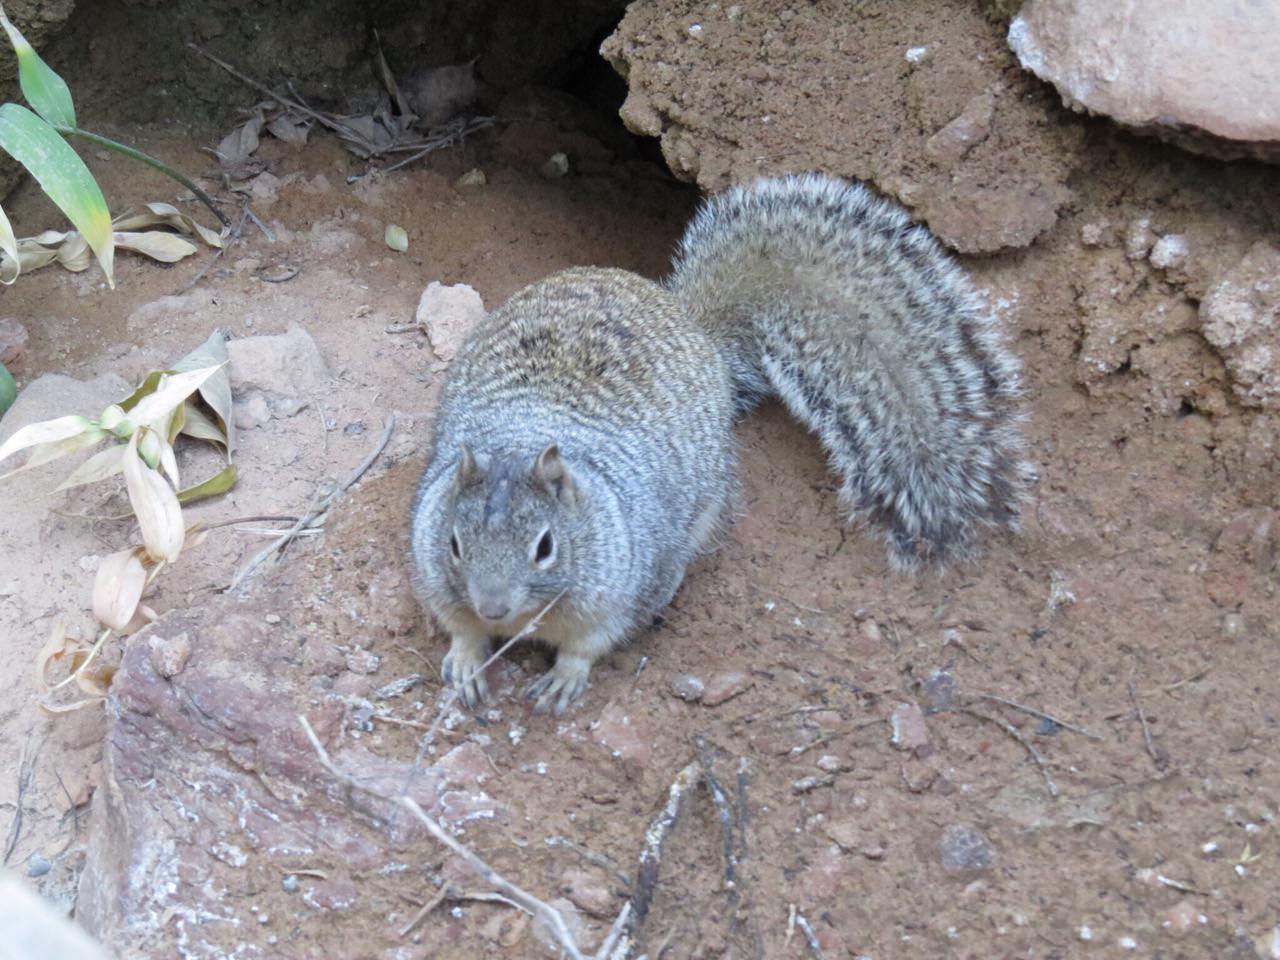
829	297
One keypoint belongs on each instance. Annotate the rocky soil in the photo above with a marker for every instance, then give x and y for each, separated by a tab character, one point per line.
1064	750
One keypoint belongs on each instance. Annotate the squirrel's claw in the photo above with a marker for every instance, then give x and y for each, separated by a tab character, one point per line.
462	671
561	686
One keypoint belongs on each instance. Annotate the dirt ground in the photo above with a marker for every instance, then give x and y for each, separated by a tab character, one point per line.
1138	604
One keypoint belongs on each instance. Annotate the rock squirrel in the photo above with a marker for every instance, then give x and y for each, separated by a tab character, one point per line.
583	445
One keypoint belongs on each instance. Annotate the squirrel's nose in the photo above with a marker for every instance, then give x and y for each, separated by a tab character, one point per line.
493	609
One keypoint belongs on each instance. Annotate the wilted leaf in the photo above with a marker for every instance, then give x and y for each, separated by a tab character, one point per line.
290	127
167	215
96	679
44	89
46	431
171	390
103	464
117	588
235	150
396	238
220	482
73	253
198	425
154	504
71	707
62	175
56	647
12	263
156	244
47	452
216	391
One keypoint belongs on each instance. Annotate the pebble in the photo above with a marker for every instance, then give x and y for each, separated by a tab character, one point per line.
688	687
964	848
939	691
471	180
808	784
909	729
1183	917
38	866
725	686
831	764
13	340
1233	625
169	656
588	892
363	661
557	166
290	884
1170	251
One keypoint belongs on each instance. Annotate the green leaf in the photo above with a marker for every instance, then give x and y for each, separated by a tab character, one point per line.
44	89
62	175
216	391
220	482
8	389
8	244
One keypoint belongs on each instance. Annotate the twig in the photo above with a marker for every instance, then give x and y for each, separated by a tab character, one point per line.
318	509
1038	713
786	599
720	797
809	935
1154	754
427	907
1027	745
655	837
446	140
599	859
26	773
548	914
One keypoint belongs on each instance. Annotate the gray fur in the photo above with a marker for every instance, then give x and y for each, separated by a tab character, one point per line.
803	287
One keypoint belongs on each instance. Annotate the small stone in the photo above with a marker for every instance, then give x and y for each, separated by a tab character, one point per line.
363	661
557	166
471	180
939	691
588	891
725	686
13	340
964	848
38	866
1169	252
844	833
1183	917
916	54
272	618
871	630
872	851
966	131
447	314
397	688
169	656
909	729
289	884
1233	626
253	411
464	765
1139	240
688	687
572	920
1094	234
831	764
809	784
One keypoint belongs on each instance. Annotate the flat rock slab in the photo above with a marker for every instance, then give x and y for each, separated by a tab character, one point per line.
1203	75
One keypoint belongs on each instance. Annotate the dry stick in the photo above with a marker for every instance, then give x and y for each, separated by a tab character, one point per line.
445	140
318	508
26	773
1038	713
522	898
599	859
720	798
1027	745
427	907
809	935
1156	759
655	837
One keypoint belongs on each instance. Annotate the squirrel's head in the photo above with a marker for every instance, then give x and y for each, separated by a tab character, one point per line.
509	547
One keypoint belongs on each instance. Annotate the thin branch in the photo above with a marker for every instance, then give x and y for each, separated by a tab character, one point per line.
991	697
1152	752
26	773
812	938
543	911
1027	745
655	837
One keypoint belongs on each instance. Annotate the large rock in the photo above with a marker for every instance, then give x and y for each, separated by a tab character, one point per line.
1204	75
948	127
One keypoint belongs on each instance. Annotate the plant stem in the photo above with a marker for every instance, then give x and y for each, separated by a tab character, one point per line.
149	161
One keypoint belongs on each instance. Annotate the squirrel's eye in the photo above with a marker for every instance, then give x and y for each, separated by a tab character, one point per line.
454	547
545	550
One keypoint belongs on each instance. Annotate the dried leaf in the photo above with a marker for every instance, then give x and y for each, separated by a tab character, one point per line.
12	262
238	145
96	680
167	215
117	588
70	707
290	127
396	238
154	504
46	431
216	391
74	253
156	244
197	424
103	464
171	390
56	647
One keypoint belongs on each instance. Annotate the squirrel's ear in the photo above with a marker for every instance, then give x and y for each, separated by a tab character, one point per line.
468	471
550	470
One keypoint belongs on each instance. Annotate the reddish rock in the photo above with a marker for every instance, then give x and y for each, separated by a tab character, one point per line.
909	729
617	730
589	890
726	686
169	655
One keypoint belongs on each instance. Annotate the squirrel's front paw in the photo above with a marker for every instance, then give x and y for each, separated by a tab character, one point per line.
462	670
561	686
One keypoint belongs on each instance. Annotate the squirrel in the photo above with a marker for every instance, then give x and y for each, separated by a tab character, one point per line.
583	449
